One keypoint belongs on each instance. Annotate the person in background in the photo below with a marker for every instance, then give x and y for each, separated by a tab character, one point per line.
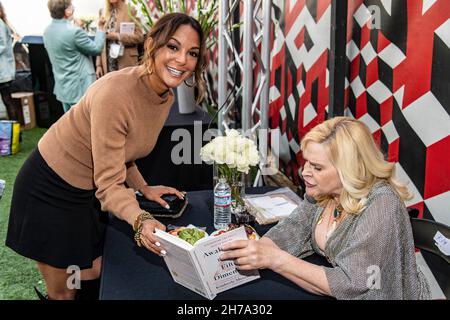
353	214
70	49
86	160
121	49
7	65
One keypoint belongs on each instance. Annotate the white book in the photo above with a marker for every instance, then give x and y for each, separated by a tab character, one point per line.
198	267
127	27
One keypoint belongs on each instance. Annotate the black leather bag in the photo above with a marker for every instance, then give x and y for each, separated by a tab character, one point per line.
177	206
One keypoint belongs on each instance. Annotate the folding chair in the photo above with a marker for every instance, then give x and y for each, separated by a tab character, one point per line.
424	231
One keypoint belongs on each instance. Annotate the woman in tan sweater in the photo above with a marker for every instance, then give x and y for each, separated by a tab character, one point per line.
115	13
84	164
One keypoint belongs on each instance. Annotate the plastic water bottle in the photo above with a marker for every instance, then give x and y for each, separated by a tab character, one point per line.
222	204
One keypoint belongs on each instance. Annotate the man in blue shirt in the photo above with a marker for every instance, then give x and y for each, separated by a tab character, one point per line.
70	49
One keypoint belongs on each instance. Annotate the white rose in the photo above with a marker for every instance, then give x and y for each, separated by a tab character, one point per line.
241	144
253	157
229	144
219	156
243	164
219	140
232	133
206	153
220	153
234	150
231	159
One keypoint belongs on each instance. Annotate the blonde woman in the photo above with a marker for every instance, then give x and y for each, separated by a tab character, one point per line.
121	49
353	215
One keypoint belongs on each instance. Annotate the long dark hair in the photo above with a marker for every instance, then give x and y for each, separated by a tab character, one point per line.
160	34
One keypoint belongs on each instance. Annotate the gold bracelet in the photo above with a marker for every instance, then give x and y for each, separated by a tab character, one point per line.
144	215
137	236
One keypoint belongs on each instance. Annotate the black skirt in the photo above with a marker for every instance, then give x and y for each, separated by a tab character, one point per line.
53	222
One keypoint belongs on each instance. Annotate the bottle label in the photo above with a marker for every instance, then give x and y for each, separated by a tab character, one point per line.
222	199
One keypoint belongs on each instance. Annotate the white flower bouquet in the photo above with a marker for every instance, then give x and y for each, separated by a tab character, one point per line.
234	155
232	150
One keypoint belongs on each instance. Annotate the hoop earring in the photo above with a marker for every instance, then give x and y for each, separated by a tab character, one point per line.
149	70
191	84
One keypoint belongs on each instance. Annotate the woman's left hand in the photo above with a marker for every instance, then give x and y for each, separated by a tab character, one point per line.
251	254
154	193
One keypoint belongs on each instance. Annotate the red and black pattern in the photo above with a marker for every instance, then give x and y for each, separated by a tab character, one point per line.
299	79
399	88
397	84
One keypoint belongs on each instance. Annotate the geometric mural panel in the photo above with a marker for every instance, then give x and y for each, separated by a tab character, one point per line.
397	83
437	169
412	151
438	207
440	86
423	113
299	75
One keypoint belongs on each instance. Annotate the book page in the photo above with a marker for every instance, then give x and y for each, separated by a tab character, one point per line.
181	264
127	27
222	275
272	206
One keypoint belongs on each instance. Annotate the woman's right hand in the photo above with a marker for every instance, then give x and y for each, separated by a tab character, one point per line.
251	254
148	237
155	193
99	72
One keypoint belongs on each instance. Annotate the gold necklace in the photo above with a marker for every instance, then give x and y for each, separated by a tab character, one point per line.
336	215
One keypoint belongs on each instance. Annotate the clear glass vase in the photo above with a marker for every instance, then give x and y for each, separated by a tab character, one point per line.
237	186
236	180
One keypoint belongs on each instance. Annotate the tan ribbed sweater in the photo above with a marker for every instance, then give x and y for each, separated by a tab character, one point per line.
95	144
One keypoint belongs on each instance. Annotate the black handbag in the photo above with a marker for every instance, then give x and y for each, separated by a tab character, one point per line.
177	205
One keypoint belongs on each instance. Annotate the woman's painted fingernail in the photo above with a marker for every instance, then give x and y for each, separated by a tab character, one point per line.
157	244
163	253
167	207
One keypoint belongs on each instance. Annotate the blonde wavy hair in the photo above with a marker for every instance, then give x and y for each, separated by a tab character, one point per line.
108	9
357	159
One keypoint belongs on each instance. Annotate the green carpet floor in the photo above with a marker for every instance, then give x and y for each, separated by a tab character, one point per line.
18	275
